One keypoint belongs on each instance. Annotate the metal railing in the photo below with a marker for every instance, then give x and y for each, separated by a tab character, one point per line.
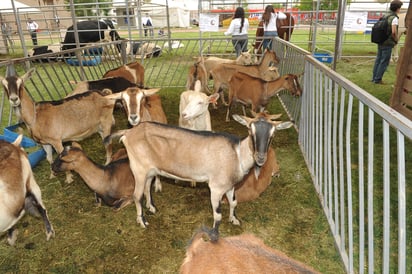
358	151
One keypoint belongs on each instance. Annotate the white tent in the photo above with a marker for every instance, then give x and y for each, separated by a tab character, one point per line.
6	7
179	15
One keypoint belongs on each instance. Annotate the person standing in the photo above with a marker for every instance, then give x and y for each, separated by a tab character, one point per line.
269	18
33	27
384	53
238	28
147	25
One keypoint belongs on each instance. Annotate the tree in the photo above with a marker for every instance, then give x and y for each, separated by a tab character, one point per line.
323	5
84	8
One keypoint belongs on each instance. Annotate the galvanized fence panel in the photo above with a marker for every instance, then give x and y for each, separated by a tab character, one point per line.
355	149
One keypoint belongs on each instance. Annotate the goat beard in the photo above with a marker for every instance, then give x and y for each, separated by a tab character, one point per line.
257	171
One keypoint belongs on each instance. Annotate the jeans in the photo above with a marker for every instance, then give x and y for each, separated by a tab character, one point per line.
381	63
267	43
240	44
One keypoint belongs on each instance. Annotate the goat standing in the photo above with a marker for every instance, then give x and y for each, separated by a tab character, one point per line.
19	190
201	156
53	122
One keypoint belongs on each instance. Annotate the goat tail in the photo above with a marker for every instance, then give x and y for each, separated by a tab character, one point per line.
116	135
207	234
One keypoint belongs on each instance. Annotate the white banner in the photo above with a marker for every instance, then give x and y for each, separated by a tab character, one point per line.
209	22
355	21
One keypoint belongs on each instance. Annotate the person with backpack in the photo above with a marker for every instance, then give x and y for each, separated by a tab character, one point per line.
384	53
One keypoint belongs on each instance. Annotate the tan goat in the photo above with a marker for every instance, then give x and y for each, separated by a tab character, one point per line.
133	72
189	155
53	122
245	253
257	92
244	59
113	183
265	70
19	190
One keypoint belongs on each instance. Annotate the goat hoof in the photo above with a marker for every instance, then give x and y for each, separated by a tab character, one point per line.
235	221
12	239
143	223
50	234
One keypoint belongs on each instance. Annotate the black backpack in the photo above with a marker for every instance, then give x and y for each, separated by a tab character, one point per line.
380	30
149	23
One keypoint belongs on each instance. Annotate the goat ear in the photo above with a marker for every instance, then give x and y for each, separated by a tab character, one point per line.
77	145
242	119
28	74
283	125
150	92
18	140
213	98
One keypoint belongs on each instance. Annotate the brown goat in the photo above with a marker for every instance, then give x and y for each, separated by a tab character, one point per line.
113	183
251	188
197	72
243	253
19	190
53	122
265	70
133	72
257	92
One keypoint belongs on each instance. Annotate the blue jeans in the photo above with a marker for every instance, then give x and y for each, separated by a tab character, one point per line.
383	58
240	44
267	43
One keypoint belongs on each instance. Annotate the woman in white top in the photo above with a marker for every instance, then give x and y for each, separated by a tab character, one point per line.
32	27
238	28
269	25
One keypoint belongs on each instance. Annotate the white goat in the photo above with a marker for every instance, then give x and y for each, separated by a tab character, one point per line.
201	156
53	122
193	108
19	190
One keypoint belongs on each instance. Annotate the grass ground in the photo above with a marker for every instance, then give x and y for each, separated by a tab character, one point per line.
92	239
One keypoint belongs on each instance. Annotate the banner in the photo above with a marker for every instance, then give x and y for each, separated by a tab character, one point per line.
355	21
209	22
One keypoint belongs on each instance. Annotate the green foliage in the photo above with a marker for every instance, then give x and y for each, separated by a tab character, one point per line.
84	8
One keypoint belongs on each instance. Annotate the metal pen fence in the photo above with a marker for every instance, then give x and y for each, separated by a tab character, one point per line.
357	149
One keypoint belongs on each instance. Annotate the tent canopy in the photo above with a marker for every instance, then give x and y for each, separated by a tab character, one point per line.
6	7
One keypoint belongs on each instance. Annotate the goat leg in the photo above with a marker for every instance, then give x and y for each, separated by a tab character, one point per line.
230	195
12	236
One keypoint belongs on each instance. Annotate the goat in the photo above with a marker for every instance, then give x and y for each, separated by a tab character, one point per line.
53	122
245	253
251	187
197	72
193	108
113	183
265	70
19	190
257	92
189	155
133	72
244	59
143	105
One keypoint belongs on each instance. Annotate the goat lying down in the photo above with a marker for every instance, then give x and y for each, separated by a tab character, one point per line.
113	183
53	122
19	190
245	253
250	188
189	155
